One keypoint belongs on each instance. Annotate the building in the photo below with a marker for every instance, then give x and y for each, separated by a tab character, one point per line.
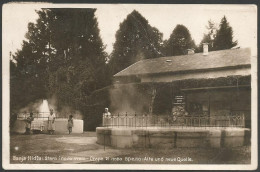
227	95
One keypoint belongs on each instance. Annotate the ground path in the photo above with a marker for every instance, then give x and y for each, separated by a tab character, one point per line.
82	148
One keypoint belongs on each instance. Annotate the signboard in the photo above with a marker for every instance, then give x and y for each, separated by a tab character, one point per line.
179	100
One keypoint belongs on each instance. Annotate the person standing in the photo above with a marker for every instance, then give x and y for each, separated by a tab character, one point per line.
70	124
51	122
28	124
107	113
106	118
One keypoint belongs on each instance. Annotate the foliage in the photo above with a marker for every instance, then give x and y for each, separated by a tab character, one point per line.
64	56
180	40
81	57
224	36
27	80
28	72
208	37
136	39
218	38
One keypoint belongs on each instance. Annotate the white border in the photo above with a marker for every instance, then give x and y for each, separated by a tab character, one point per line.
5	112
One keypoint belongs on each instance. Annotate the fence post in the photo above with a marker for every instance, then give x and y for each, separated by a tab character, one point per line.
243	120
112	120
146	120
157	120
183	121
143	121
168	121
206	121
103	120
229	121
126	119
118	120
153	120
135	119
199	120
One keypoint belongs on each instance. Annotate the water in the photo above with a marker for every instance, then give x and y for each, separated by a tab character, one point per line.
44	109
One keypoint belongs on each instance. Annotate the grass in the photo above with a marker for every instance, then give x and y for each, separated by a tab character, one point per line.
82	148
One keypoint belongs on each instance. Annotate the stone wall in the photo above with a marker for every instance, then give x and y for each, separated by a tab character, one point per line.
172	137
60	126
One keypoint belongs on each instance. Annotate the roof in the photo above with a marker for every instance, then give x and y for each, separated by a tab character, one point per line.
214	60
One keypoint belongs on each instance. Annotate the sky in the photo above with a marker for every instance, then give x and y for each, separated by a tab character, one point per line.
242	18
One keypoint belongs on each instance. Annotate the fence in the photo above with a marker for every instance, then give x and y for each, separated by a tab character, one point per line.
145	120
36	115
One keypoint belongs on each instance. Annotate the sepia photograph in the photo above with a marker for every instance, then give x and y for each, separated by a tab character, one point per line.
129	86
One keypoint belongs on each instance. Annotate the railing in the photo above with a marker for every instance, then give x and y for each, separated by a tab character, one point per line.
37	115
173	121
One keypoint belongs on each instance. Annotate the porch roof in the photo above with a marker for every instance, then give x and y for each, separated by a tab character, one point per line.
217	88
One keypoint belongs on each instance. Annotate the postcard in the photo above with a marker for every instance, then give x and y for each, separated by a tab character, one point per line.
129	86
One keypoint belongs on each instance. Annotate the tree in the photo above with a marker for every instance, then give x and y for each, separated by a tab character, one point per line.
224	36
136	39
26	83
80	56
180	40
209	36
29	79
64	56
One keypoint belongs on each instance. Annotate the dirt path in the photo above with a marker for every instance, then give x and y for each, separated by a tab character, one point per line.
74	148
82	148
93	153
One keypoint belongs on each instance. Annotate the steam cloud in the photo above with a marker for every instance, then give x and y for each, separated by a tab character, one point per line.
32	107
127	98
62	112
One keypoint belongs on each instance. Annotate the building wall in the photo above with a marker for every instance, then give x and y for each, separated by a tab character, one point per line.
195	75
